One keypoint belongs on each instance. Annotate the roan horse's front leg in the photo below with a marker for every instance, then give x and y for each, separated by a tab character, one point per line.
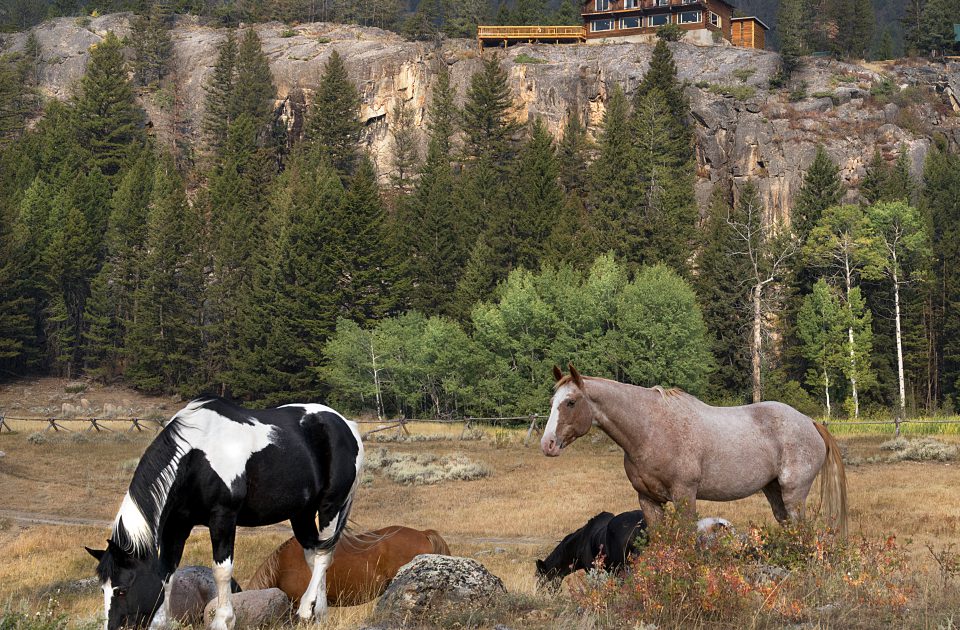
223	530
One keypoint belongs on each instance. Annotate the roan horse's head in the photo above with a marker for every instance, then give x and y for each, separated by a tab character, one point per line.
571	412
132	590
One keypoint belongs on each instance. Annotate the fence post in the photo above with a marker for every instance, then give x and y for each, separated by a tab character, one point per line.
896	423
533	425
3	424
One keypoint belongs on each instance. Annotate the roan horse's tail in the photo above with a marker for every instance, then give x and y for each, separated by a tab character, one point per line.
267	574
439	544
833	483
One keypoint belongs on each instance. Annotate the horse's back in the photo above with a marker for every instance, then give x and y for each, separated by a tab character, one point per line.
742	449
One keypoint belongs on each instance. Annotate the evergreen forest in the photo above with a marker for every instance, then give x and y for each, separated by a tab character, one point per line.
272	268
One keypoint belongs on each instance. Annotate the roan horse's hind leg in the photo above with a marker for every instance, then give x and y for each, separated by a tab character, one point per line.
775	497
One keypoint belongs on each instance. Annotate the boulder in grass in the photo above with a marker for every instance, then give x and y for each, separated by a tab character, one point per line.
432	583
254	609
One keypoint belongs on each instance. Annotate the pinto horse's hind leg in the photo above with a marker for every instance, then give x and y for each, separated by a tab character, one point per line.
318	552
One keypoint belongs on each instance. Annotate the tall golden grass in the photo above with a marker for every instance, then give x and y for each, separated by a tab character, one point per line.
505	520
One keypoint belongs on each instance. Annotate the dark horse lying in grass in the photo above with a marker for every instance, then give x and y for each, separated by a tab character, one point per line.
604	542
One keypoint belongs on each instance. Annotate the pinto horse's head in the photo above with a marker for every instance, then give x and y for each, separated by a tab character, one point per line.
571	412
132	590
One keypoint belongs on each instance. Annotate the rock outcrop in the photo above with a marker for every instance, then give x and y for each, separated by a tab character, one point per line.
431	584
744	129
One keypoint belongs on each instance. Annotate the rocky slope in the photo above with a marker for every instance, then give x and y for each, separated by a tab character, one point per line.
744	129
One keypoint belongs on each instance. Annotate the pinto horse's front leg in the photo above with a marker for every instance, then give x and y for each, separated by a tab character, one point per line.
223	530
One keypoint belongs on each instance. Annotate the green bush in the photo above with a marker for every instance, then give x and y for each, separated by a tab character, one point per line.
671	32
525	58
739	92
744	74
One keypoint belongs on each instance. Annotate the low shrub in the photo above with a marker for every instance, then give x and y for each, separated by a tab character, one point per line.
287	32
37	438
799	92
744	73
424	468
923	449
769	576
525	58
739	92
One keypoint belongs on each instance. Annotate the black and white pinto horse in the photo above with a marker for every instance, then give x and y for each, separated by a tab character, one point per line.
604	542
220	465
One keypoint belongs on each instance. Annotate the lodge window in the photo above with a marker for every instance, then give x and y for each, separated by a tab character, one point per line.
631	4
601	25
602	5
688	1
690	17
715	19
661	3
630	22
658	20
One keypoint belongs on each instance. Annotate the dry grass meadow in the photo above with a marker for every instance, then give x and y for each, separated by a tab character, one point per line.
504	520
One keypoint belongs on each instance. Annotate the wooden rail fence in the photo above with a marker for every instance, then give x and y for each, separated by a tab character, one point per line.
93	423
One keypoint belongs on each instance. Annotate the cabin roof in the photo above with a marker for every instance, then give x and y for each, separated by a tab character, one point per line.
751	17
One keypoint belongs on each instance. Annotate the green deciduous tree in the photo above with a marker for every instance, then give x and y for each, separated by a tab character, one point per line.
822	328
845	245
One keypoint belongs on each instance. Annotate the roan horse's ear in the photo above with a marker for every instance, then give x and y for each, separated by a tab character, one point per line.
96	553
575	375
557	373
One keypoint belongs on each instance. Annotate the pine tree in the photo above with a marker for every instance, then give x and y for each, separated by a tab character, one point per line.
913	25
164	338
488	124
874	181
899	185
406	153
940	204
294	288
152	45
371	277
724	299
613	177
71	262
567	14
437	247
219	110
333	127
518	231
253	90
936	27
572	155
662	76
109	122
664	227
793	19
821	188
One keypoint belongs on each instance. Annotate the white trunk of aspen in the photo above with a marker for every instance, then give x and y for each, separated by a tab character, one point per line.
896	310
757	340
853	359
826	389
376	383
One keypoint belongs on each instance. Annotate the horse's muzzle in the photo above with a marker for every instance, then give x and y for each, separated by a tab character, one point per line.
551	448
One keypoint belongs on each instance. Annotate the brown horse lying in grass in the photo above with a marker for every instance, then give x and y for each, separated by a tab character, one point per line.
363	564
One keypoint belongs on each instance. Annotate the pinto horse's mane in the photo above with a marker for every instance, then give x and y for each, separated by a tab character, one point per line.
135	527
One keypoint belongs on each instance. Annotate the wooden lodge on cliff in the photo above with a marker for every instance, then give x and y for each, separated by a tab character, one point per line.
705	22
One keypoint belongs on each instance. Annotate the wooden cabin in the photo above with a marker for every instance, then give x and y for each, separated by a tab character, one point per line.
748	32
706	22
638	20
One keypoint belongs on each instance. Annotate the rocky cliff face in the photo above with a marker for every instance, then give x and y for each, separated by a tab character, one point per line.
744	130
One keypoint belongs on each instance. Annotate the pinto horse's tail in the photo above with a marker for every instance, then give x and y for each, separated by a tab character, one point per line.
833	483
439	544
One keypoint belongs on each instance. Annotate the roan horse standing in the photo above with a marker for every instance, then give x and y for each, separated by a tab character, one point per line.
220	465
363	564
677	448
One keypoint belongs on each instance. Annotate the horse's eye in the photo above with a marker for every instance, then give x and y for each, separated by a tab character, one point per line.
120	592
571	403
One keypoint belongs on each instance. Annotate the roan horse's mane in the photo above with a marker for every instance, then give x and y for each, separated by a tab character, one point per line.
665	393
